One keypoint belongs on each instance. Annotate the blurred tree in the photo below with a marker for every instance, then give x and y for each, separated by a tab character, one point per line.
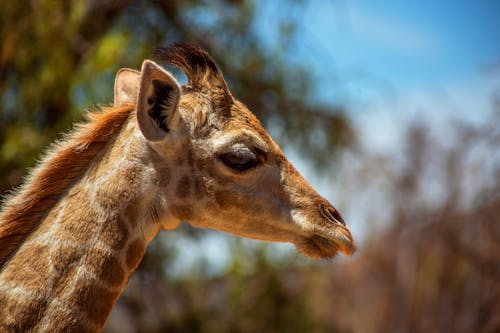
433	268
58	57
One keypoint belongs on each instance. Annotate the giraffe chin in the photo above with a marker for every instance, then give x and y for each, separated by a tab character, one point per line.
326	246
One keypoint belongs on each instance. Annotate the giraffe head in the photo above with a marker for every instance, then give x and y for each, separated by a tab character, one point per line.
218	167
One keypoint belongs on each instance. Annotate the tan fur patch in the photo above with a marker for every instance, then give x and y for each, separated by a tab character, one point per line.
29	267
61	322
80	222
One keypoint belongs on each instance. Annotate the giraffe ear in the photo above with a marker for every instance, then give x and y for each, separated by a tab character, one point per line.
126	86
157	102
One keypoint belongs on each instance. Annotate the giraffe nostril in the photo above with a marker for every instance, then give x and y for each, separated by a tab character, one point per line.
332	214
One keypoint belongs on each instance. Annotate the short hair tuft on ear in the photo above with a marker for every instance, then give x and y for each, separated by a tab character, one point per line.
198	65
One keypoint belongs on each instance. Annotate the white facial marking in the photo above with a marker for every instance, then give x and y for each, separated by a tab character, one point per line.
299	219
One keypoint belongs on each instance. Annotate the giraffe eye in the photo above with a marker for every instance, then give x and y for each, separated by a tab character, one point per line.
240	160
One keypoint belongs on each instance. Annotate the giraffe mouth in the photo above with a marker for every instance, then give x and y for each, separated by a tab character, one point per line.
324	244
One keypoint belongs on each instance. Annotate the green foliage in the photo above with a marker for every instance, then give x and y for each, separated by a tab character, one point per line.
433	269
57	58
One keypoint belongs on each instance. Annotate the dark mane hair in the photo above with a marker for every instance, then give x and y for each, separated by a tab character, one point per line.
198	65
62	166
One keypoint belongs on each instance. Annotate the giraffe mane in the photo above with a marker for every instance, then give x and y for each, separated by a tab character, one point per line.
64	163
198	65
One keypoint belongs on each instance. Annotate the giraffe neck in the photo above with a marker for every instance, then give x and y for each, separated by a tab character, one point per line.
68	274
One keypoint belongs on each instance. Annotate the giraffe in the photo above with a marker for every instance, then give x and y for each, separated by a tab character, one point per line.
163	153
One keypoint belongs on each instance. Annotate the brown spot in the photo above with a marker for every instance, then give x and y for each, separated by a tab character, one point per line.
93	301
226	199
179	161
135	252
200	164
199	190
64	257
131	214
115	233
29	267
21	315
183	187
105	266
163	175
190	160
182	212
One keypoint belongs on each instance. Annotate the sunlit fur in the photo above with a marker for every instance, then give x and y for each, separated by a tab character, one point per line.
74	233
63	165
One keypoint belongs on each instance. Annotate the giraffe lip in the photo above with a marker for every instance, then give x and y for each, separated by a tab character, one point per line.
341	237
326	243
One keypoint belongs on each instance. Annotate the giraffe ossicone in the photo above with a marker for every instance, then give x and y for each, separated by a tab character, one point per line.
163	153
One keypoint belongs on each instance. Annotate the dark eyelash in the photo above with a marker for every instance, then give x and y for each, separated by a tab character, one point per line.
230	160
242	161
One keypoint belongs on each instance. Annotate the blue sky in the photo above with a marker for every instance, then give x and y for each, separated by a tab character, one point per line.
393	61
372	47
412	42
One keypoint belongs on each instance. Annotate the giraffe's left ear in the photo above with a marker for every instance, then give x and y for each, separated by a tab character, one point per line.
157	102
126	86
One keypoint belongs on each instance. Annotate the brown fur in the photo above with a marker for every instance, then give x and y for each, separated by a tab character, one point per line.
106	267
21	315
183	187
183	212
115	234
32	267
103	196
194	61
201	70
61	168
135	252
93	301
